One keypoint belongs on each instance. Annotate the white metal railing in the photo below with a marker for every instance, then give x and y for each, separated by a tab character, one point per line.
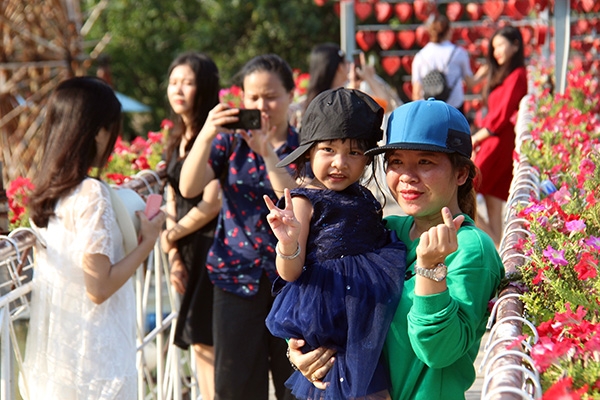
509	372
165	372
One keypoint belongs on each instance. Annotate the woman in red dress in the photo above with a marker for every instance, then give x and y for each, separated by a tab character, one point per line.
494	142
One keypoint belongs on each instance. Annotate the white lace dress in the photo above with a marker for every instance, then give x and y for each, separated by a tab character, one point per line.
76	349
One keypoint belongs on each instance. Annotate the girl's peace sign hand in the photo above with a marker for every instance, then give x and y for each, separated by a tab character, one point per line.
283	222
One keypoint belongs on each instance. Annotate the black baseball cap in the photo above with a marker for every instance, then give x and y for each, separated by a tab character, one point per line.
338	114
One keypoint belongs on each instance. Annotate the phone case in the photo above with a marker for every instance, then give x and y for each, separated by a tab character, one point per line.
248	119
153	203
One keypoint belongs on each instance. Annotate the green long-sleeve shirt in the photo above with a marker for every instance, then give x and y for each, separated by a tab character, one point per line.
433	340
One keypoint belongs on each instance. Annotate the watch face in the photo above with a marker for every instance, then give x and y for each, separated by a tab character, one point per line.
440	272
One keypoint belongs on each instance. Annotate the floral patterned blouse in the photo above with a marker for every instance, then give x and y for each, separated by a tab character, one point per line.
244	244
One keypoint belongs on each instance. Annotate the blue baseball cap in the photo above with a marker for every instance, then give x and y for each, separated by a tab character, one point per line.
429	125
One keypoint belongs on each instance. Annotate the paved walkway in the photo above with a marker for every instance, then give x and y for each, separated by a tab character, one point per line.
475	392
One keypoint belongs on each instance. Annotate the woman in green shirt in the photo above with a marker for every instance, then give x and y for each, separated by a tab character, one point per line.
453	268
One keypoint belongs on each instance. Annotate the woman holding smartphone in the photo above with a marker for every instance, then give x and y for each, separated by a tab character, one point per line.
241	262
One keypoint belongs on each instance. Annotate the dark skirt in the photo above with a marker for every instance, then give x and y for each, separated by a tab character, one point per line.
194	324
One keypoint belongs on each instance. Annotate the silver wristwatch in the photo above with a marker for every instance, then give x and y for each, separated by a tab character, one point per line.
437	273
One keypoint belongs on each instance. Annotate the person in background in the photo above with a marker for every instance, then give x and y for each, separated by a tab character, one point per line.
192	91
441	54
241	262
453	268
337	259
494	140
81	342
329	68
363	76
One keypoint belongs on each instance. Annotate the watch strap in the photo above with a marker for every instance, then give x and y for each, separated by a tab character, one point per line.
437	273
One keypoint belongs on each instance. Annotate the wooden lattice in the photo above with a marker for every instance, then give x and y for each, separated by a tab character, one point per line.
41	43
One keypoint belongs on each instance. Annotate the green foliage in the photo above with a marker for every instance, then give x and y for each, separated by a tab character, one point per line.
148	34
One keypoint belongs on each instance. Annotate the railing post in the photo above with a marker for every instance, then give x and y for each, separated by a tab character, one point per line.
562	42
158	304
6	370
347	27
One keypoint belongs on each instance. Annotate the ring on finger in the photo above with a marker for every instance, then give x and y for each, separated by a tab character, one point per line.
313	378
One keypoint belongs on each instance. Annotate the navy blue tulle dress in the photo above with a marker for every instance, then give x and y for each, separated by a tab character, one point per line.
347	294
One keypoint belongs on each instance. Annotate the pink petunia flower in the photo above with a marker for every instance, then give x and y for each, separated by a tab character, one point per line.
593	242
556	257
575	226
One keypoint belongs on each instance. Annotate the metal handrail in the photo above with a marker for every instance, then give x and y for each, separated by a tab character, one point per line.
503	372
531	374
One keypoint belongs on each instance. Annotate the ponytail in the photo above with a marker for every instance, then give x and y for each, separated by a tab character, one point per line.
467	197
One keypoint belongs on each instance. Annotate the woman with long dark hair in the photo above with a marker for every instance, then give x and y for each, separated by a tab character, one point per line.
81	338
328	69
192	91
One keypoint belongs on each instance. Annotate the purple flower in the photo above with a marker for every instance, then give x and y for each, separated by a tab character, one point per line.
534	208
556	257
593	242
576	225
543	221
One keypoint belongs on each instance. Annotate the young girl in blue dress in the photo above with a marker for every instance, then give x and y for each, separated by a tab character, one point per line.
344	270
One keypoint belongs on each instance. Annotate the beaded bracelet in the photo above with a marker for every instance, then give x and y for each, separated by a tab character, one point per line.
286	257
287	354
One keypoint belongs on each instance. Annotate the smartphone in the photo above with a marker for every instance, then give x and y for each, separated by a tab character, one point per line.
248	119
357	59
153	203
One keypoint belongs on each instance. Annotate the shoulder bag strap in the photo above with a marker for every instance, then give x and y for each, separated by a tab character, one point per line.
448	63
125	223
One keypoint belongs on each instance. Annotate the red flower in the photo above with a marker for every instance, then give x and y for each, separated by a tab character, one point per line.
301	80
570	317
587	267
19	187
141	163
563	390
139	144
121	147
166	124
155	137
591	199
231	96
18	192
546	352
116	178
539	277
17	212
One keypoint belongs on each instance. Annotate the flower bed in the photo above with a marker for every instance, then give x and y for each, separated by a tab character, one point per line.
562	298
141	154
